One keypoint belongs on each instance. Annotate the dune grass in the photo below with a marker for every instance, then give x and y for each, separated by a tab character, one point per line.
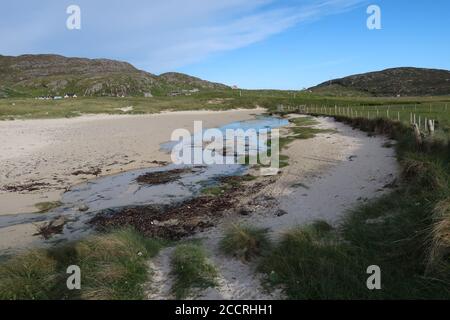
191	270
405	233
244	242
311	263
113	266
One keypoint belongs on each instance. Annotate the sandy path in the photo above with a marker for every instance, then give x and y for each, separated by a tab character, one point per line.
336	171
329	175
50	151
160	286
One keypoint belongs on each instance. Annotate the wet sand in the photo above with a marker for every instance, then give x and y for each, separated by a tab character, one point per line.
60	153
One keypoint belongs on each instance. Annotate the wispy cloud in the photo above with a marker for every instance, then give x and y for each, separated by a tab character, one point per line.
158	35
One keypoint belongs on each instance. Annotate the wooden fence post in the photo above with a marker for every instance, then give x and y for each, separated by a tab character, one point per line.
431	126
417	134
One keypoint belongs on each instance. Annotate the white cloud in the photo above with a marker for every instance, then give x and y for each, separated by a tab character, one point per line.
160	35
184	44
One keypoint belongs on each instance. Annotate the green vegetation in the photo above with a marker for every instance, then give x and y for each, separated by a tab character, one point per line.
245	242
213	191
47	206
303	129
401	109
406	233
191	270
55	75
311	264
436	108
113	266
390	82
67	108
284	160
227	184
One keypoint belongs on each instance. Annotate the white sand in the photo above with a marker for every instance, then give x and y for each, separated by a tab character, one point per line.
49	151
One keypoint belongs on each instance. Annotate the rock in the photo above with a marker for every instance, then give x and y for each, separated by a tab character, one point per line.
167	223
244	212
280	213
83	208
59	222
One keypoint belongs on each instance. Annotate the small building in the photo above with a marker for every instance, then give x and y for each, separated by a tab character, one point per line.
70	95
148	95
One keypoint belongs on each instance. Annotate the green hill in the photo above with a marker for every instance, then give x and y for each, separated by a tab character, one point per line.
36	75
390	82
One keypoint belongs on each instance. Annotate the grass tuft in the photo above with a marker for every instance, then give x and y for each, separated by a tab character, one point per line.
113	266
245	242
440	244
31	276
191	270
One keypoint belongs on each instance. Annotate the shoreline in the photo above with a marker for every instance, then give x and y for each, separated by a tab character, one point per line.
311	161
304	191
279	205
51	151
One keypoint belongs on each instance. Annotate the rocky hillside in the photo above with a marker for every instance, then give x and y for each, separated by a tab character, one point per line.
34	75
390	82
183	80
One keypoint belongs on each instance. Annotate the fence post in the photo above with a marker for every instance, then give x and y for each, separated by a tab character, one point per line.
417	134
431	126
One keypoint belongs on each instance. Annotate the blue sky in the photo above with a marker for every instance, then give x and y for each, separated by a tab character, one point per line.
287	44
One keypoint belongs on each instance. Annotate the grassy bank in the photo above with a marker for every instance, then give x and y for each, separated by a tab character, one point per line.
113	266
405	233
437	108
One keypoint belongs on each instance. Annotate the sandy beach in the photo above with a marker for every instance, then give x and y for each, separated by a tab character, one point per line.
327	175
40	159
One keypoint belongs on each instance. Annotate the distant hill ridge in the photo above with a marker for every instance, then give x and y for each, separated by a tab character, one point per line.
405	81
47	74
